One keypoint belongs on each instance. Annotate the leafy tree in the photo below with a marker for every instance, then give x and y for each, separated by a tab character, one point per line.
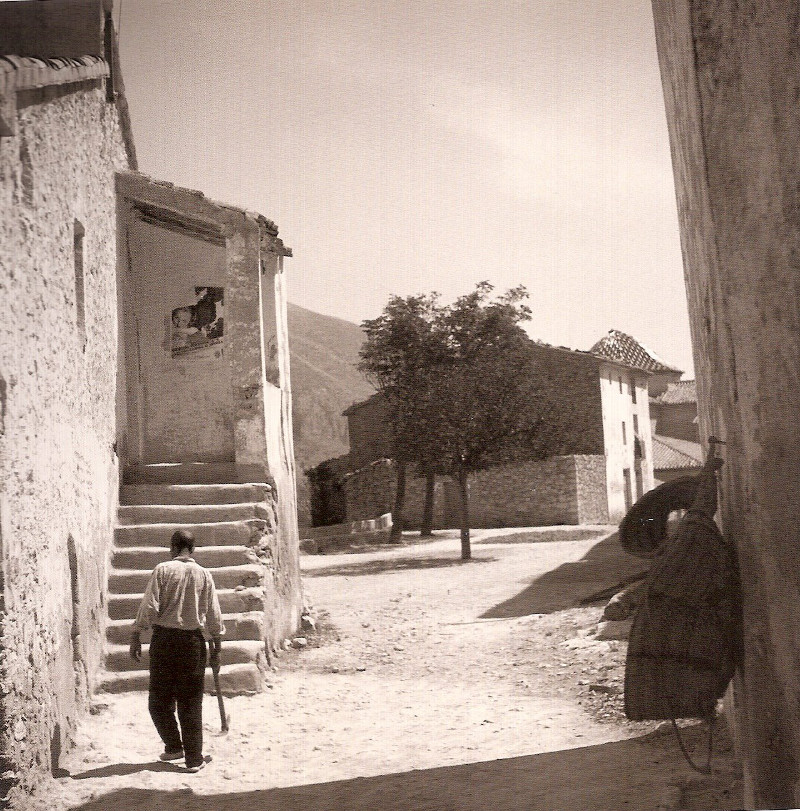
486	401
399	347
464	390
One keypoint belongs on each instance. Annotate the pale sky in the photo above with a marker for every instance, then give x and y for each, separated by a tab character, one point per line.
405	146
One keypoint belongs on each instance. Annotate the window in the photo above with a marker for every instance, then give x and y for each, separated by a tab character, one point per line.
620	384
624	434
80	306
633	391
635	425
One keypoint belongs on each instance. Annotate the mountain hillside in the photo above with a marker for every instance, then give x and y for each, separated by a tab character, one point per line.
325	381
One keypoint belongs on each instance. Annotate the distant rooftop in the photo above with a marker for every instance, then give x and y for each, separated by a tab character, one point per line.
684	391
623	348
676	454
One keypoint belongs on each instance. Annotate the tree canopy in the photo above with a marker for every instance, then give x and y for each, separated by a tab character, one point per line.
464	389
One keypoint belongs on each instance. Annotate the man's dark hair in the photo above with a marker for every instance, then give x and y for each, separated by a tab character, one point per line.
181	539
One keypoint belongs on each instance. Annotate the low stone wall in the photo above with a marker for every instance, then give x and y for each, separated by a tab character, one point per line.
541	493
559	490
318	540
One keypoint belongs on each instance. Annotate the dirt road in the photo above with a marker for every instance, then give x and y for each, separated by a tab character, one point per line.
433	684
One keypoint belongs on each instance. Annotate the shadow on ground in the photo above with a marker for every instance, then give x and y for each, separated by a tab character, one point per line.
604	566
395	564
121	769
544	536
624	774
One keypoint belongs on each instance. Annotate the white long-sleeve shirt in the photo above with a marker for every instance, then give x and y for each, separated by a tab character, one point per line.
180	594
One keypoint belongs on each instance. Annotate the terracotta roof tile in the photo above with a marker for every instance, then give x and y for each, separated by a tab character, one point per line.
623	348
676	454
26	72
684	391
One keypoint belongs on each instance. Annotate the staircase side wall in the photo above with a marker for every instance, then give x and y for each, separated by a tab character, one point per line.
283	592
58	363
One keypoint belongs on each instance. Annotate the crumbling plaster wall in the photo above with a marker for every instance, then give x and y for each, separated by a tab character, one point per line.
731	76
58	468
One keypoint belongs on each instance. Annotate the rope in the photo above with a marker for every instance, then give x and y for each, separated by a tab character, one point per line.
707	768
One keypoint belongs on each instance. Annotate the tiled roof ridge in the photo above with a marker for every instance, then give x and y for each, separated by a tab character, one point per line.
28	72
588	353
678	393
620	346
688	461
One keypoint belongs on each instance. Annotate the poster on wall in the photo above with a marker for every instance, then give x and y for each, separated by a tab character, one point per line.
199	324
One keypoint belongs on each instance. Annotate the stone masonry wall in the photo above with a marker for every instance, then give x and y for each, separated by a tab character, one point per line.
590	487
540	493
58	371
559	490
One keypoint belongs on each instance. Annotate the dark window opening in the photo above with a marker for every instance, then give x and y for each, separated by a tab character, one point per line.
26	175
80	306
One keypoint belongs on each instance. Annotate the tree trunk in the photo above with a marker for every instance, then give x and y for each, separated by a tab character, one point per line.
396	535
463	492
426	531
731	77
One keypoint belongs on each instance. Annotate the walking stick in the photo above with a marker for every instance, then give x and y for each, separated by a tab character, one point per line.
224	718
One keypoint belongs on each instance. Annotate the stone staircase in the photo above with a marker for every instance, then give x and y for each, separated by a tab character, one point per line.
229	520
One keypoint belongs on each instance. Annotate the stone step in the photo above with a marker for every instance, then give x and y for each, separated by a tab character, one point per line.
231	601
133	581
233	653
245	625
145	494
211	557
194	473
222	533
189	513
235	680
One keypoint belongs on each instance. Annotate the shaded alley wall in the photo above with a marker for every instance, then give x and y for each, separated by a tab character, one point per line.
58	366
731	76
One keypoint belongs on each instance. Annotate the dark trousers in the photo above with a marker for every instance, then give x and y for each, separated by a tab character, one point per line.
177	670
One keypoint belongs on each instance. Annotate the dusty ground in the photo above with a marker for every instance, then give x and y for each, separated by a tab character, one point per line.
429	684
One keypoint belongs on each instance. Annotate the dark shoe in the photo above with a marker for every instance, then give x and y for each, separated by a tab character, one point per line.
171	754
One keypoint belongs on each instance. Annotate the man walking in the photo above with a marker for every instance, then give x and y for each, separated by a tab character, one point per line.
179	603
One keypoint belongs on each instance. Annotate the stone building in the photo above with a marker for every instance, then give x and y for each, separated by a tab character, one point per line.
602	466
619	346
673	406
122	386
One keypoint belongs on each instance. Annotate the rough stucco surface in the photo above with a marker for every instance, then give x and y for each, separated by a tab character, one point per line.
58	469
616	387
280	446
243	397
731	84
186	399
